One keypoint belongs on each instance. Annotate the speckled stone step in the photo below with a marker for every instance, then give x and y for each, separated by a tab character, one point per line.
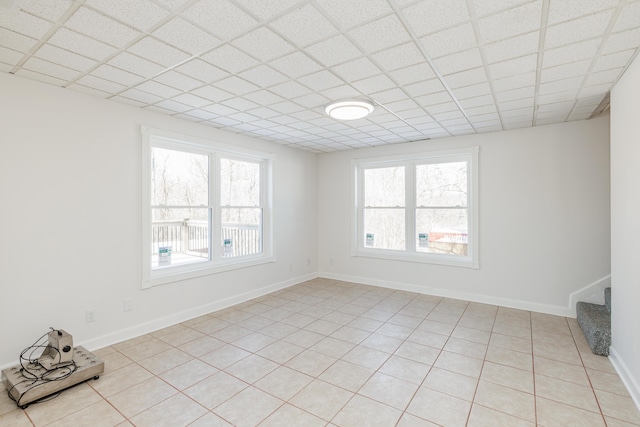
595	322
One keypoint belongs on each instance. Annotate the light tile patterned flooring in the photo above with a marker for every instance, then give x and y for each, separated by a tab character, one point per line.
330	353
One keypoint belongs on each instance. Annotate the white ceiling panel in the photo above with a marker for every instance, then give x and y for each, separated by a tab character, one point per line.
267	68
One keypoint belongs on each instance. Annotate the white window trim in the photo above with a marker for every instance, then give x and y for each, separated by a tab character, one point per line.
358	249
157	137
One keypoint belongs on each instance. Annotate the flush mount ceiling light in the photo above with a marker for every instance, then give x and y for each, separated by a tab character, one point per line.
351	109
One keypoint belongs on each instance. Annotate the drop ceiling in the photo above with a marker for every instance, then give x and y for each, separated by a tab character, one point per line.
267	68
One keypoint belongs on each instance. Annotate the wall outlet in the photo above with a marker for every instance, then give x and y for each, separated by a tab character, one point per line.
127	304
90	315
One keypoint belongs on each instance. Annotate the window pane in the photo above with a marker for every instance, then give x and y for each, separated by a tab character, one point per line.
239	183
241	232
179	178
384	187
443	231
441	184
384	229
179	236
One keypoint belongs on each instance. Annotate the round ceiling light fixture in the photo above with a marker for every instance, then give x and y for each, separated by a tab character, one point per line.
351	109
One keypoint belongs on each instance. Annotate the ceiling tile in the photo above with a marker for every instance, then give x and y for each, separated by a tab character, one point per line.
140	96
622	41
173	106
565	71
477	111
295	65
230	59
565	10
290	90
83	45
320	80
33	75
201	70
556	97
511	22
221	110
192	100
186	36
570	53
51	10
450	40
374	84
604	77
135	64
514	94
263	44
460	61
563	106
512	48
263	112
569	84
472	90
264	97
101	27
350	13
380	34
425	87
513	82
577	30
485	7
430	16
357	69
304	26
25	24
466	78
334	51
236	85
9	56
413	74
159	52
50	69
628	18
141	14
286	107
62	56
158	89
613	60
263	76
434	98
16	41
265	9
341	92
517	104
240	104
513	67
178	80
478	101
399	57
117	75
312	100
101	84
221	17
390	95
89	91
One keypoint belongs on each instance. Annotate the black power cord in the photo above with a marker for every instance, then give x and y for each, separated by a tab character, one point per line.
36	374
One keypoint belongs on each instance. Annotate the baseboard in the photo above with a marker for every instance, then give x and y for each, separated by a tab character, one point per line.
448	293
175	318
625	375
593	293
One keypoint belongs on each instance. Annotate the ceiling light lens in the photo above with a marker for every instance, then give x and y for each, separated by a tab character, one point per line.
349	110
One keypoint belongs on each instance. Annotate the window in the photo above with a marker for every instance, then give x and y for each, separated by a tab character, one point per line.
420	207
206	207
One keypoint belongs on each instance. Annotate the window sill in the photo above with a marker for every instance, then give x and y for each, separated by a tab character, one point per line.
176	274
451	261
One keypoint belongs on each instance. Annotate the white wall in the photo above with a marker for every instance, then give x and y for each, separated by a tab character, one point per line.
70	221
625	228
544	219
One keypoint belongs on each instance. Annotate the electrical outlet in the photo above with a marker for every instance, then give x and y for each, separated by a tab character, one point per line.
90	315
127	304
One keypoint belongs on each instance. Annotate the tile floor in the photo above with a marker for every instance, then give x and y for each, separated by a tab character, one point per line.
330	353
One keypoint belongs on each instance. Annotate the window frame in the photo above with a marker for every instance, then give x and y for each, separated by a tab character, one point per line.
410	161
152	137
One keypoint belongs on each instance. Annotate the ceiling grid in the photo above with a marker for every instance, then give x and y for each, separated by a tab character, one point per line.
267	69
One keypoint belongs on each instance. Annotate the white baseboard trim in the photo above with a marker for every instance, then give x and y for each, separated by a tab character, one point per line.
448	293
175	318
593	293
625	375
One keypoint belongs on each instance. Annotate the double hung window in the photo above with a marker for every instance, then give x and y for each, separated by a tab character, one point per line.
206	207
420	207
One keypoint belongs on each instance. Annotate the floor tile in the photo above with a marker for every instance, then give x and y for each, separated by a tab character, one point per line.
451	383
288	416
418	352
332	347
507	376
224	356
321	399
566	392
439	408
248	408
606	381
468	348
459	363
367	357
360	411
346	375
507	400
389	390
254	341
507	357
214	390
485	417
251	368
405	369
408	420
17	418
176	411
618	407
561	370
284	382
165	361
188	374
280	351
136	399
555	414
100	414
69	402
119	380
